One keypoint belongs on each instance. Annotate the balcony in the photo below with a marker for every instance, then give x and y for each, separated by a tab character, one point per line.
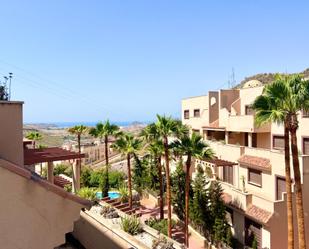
245	123
239	199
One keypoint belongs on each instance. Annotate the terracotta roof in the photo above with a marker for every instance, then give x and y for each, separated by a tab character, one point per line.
45	184
258	214
219	162
33	156
260	163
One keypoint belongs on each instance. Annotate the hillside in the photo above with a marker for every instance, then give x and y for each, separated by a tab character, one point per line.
266	78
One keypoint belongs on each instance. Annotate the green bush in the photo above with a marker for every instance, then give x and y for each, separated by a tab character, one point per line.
131	224
254	243
124	194
68	187
87	193
85	176
60	169
159	225
104	183
116	179
95	179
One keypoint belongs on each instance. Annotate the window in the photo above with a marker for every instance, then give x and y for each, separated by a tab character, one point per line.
249	110
280	187
186	114
196	113
255	177
306	146
228	174
278	142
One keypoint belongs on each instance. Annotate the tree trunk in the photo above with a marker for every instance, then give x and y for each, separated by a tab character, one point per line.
106	149
188	165
106	164
168	189
129	180
298	187
161	188
288	187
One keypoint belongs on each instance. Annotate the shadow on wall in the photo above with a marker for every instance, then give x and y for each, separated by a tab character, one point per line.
92	235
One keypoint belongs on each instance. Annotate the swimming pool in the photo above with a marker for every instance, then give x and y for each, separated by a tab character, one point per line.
111	194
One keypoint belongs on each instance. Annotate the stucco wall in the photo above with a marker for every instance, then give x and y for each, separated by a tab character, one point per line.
201	103
31	217
11	128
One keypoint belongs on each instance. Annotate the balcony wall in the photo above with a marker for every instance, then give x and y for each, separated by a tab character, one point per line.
240	199
245	123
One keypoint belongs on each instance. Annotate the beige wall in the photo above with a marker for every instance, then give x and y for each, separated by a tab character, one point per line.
247	96
11	136
95	235
200	102
32	217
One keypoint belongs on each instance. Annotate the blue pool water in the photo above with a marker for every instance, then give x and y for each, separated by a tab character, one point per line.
111	194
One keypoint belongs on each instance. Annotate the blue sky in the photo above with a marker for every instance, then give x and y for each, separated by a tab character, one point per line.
128	60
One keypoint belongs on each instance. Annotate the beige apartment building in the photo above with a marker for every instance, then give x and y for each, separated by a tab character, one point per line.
249	162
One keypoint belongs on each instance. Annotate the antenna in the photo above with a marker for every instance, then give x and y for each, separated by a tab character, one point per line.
232	81
10	84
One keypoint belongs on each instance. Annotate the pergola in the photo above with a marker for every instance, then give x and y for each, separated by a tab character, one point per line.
53	154
215	163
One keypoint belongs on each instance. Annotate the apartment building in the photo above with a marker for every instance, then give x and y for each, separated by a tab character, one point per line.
249	162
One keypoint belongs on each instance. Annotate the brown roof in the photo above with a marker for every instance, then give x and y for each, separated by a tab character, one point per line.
45	184
260	163
256	213
219	162
259	214
33	156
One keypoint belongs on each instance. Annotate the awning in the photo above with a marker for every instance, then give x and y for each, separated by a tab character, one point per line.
34	156
219	162
255	162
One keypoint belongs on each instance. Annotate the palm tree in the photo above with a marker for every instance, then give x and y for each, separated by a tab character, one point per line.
280	102
78	130
34	137
156	149
128	145
103	131
166	127
192	147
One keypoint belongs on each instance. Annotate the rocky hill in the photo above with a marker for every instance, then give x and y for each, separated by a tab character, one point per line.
266	78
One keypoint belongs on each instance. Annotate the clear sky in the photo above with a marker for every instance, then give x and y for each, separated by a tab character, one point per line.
128	60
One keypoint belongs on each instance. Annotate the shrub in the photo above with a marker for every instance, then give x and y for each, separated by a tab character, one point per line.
85	176
87	193
161	243
68	187
59	169
109	212
131	224
159	225
124	194
116	179
95	179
